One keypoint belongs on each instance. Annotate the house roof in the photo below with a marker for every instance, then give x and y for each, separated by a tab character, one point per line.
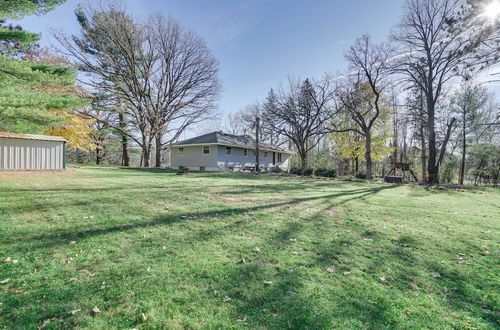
226	139
31	137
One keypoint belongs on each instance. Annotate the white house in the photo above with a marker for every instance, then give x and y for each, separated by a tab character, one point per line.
22	152
218	151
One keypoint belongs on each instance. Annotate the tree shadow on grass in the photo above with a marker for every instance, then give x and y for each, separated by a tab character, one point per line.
45	240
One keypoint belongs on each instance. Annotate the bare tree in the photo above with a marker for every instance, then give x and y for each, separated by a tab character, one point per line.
183	85
302	114
434	52
361	93
164	78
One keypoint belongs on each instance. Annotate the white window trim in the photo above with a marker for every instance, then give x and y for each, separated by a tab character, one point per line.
203	150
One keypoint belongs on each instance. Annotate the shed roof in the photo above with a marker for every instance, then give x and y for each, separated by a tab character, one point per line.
221	138
31	137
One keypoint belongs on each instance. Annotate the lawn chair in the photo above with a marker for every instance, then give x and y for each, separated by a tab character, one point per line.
182	170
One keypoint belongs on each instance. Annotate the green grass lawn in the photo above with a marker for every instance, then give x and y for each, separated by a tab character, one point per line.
151	249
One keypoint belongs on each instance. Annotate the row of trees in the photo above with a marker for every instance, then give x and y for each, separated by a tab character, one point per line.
396	93
142	83
120	79
150	79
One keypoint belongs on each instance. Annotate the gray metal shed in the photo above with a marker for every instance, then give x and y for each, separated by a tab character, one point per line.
26	152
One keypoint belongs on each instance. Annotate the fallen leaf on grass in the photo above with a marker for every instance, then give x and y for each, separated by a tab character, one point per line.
72	243
256	249
144	317
86	272
242	320
95	310
73	312
330	270
46	322
226	299
407	311
436	275
394	238
382	278
8	259
5	281
347	273
268	282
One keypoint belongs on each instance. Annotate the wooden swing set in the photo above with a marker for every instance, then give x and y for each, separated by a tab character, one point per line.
400	173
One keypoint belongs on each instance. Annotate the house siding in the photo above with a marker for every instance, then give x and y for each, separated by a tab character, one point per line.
194	159
237	160
218	160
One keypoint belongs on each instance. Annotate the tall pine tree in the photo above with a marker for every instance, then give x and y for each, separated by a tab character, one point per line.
31	93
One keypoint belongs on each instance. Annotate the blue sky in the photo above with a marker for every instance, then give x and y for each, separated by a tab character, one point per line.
259	43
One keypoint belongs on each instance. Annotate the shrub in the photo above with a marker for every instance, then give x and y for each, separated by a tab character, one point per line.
307	171
360	175
296	170
320	171
331	173
326	172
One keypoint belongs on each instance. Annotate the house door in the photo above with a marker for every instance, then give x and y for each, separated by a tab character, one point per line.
274	158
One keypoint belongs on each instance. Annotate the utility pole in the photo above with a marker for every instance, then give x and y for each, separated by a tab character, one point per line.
257	124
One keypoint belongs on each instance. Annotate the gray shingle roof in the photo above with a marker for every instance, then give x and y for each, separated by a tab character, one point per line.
226	139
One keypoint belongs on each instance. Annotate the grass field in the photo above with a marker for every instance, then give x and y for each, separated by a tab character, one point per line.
151	249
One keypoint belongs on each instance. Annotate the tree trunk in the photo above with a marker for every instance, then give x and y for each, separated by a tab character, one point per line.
97	156
125	158
368	154
442	152
464	146
158	151
423	156
432	165
356	164
257	129
146	151
303	159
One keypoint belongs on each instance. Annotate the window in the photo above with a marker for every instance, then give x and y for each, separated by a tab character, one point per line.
206	150
265	154
245	152
279	157
229	150
202	168
180	151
